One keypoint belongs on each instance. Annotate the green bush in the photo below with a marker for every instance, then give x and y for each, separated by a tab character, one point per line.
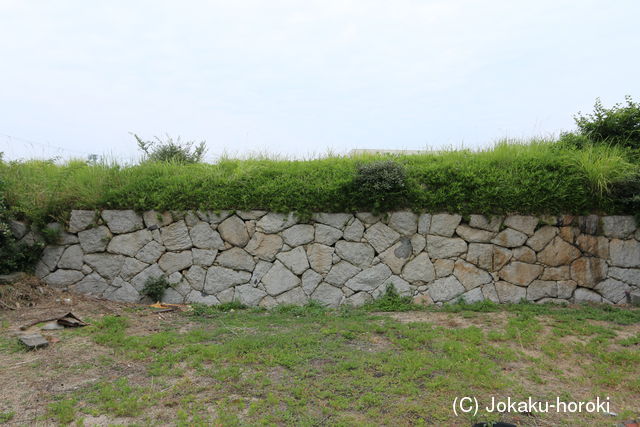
154	287
618	125
380	185
171	151
391	301
14	256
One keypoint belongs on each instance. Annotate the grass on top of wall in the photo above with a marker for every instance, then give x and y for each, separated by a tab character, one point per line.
535	177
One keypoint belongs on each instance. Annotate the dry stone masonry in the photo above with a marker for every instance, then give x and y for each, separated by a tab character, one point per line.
263	259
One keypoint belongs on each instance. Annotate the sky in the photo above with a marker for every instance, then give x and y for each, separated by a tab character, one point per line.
300	79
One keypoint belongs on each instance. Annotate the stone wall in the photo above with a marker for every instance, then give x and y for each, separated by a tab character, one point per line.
264	259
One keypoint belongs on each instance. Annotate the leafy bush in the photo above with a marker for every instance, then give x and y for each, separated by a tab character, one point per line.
14	256
171	151
380	185
618	125
154	287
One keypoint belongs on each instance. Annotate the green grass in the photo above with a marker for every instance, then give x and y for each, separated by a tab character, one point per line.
313	366
533	177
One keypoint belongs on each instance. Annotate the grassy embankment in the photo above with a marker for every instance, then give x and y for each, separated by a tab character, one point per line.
534	177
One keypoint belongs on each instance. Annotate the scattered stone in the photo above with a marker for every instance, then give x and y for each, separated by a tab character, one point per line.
381	237
510	238
419	269
237	259
300	234
176	236
624	253
320	257
327	235
558	252
80	220
445	289
444	224
279	279
473	234
94	239
354	231
122	221
445	247
129	244
234	231
360	254
482	222
275	222
369	279
264	246
33	341
469	275
520	273
619	227
404	222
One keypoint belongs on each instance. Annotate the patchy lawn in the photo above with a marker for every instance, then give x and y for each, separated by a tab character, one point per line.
310	366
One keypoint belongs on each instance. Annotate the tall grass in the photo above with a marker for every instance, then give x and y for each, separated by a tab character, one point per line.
537	176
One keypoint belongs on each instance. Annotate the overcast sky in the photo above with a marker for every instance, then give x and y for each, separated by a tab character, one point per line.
301	77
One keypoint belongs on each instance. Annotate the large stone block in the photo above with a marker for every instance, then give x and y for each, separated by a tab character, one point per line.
588	271
175	237
445	247
613	290
300	234
619	227
264	246
234	231
129	244
509	293
237	259
369	279
279	279
381	237
520	273
445	289
107	265
542	237
482	222
249	295
81	220
337	220
63	278
524	224
510	238
204	237
122	221
593	245
469	275
275	222
397	255
94	239
170	262
473	234
219	279
419	269
360	254
404	222
624	253
295	260
444	224
327	295
558	252
320	257
326	234
151	252
354	231
539	289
